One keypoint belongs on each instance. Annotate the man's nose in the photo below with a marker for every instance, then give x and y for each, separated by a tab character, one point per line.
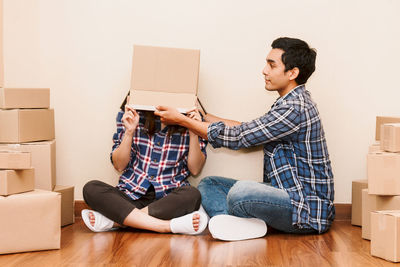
265	71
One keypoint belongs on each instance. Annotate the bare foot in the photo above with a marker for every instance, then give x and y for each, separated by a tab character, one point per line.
196	221
93	220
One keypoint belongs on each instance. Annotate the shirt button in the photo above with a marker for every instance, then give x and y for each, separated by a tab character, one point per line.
158	143
155	161
152	177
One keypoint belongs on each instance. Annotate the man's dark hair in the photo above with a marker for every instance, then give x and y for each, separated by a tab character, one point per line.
298	54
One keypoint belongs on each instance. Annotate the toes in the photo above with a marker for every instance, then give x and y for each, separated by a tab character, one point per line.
91	218
196	221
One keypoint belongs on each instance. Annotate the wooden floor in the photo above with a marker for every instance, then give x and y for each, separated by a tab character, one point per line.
341	246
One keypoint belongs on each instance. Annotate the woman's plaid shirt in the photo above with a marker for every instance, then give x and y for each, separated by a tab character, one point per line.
296	157
159	160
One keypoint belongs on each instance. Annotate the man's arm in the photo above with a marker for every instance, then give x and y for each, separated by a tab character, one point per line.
212	118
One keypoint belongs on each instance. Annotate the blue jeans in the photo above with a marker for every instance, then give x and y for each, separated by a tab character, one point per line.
249	199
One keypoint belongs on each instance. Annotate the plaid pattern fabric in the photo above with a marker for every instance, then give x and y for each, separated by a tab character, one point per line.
159	160
296	157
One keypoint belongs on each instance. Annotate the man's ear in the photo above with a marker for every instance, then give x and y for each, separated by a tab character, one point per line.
294	73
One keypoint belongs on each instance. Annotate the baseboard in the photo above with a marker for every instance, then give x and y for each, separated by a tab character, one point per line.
343	211
79	206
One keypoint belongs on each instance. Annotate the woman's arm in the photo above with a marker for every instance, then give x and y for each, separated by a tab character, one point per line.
122	154
196	158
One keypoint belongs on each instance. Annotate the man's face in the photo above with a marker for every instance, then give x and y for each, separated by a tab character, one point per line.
276	79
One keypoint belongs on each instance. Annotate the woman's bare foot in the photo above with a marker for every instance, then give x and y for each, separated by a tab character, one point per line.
92	219
190	224
196	221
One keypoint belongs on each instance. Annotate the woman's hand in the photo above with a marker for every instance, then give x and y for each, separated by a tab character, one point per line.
130	119
195	115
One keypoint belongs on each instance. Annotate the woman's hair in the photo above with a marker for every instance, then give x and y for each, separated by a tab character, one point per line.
150	122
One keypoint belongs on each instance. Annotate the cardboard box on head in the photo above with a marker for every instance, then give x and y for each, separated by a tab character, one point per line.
164	76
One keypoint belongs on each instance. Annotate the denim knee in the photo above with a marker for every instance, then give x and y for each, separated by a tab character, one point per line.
238	194
209	180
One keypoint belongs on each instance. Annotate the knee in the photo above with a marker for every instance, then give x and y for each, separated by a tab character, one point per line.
90	189
195	194
240	191
206	181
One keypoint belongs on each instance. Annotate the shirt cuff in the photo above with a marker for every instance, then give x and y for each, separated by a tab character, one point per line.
213	131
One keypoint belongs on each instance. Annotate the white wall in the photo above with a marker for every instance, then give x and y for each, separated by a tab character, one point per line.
82	50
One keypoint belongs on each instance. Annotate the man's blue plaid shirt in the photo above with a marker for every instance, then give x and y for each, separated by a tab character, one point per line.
296	157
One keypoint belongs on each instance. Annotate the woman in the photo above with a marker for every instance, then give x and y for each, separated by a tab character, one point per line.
152	193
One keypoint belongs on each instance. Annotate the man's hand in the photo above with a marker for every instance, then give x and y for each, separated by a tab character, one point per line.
169	115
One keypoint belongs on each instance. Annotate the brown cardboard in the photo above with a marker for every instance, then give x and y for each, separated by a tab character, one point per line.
383	120
383	171
30	221
16	181
356	200
385	235
43	156
164	76
373	203
376	147
26	125
67	203
12	98
15	160
1	46
390	137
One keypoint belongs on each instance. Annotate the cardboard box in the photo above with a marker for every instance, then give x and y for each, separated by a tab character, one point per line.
390	137
164	76
12	98
356	201
376	147
373	203
383	120
1	46
16	181
67	203
15	160
385	235
30	221
43	156
26	125
383	171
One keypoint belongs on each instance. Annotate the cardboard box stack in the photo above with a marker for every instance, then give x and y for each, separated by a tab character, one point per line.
30	210
30	217
380	208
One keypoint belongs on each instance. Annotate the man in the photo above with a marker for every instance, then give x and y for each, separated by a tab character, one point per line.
297	193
